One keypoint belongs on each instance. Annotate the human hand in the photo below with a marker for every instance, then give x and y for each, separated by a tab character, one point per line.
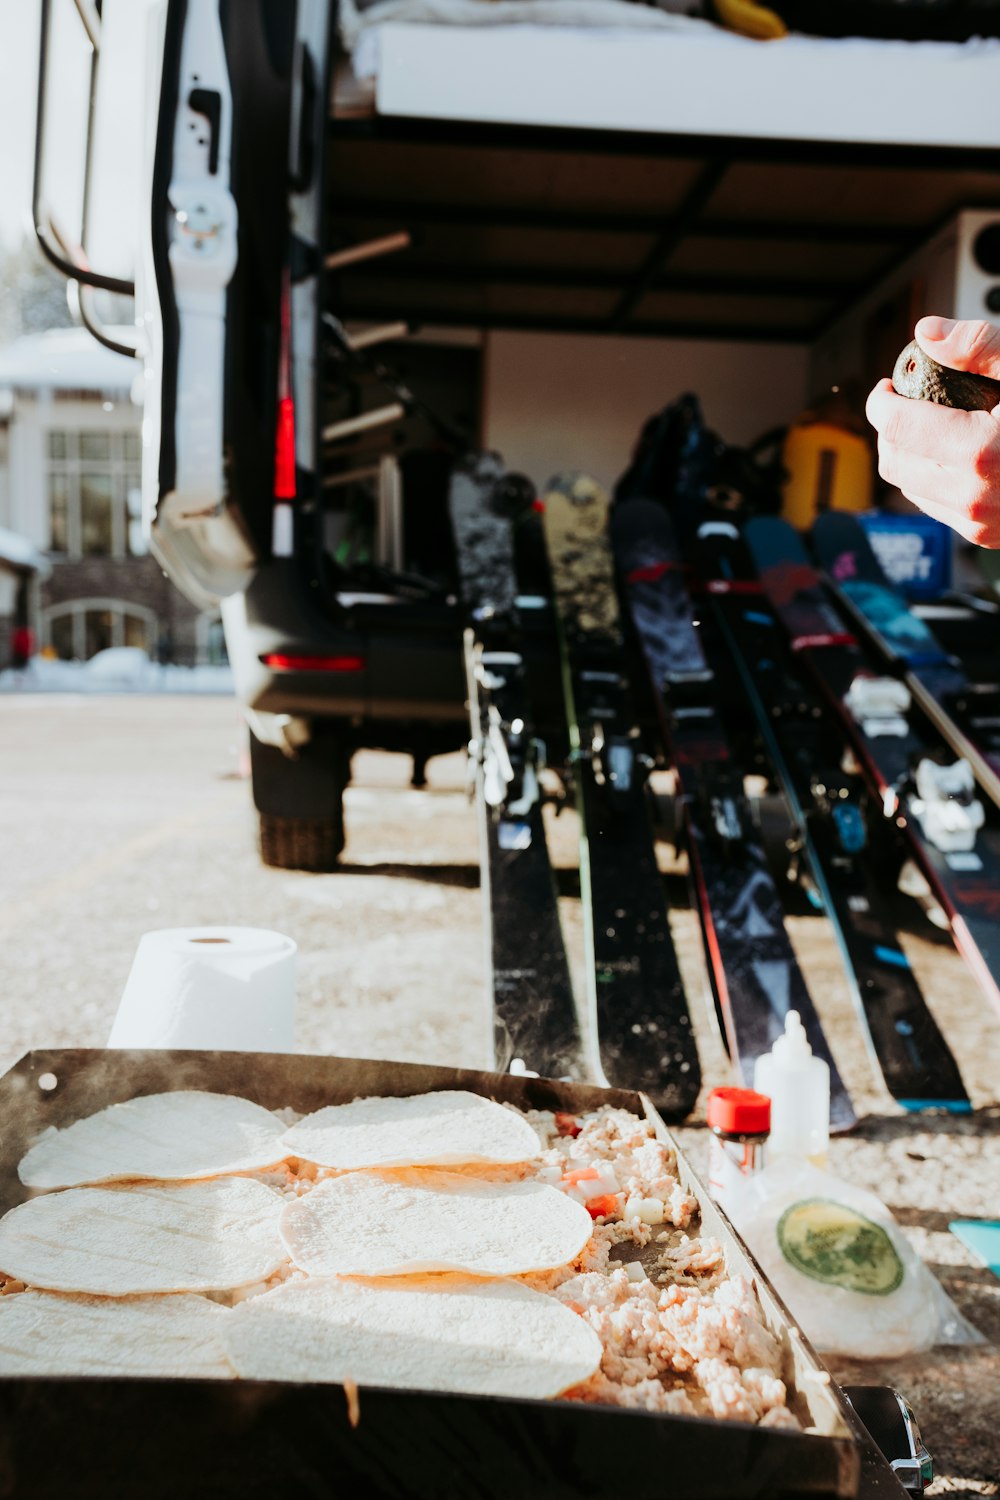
945	460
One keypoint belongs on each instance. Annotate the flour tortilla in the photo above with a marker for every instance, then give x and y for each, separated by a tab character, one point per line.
45	1334
448	1128
493	1338
367	1224
174	1136
120	1241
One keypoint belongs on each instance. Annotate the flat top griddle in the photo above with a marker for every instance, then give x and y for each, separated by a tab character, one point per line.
81	1437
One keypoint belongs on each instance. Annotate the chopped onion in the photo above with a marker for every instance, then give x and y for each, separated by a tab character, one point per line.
648	1210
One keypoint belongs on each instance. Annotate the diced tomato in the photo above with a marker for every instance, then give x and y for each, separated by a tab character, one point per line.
567	1124
580	1174
599	1208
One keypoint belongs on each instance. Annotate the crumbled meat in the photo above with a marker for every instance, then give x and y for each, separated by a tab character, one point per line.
686	1338
780	1416
692	1258
648	1395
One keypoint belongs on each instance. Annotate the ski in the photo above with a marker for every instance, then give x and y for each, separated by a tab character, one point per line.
535	1024
639	1016
909	768
966	714
827	802
755	975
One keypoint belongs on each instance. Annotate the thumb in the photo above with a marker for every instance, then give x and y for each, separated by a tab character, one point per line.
970	345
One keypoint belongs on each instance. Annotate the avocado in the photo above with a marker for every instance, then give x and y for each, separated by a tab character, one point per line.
922	379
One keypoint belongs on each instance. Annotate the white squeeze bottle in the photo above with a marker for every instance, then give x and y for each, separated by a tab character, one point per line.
798	1086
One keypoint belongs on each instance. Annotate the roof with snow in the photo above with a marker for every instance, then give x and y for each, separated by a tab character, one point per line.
18	555
65	359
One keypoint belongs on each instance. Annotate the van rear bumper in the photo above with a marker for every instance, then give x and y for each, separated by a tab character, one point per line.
373	659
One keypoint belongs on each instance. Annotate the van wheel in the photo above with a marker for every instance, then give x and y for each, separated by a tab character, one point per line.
300	800
300	843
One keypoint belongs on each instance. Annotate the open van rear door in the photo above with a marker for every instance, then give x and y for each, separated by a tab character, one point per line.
187	183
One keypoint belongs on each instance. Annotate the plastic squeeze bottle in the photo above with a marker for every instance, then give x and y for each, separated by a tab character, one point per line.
798	1086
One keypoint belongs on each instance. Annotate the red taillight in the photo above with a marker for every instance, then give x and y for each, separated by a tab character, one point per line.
284	440
280	661
284	451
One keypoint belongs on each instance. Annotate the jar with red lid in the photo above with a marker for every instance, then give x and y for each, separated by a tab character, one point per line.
740	1122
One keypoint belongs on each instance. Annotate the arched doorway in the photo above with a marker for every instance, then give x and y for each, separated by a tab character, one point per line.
78	628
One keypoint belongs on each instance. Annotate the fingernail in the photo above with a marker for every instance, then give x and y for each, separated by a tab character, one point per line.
935	328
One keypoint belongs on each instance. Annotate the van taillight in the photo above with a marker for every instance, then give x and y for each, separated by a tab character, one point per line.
284	451
281	661
282	524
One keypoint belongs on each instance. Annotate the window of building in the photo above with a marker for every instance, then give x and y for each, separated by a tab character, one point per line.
94	493
58	513
98	631
210	641
61	637
97	516
137	632
80	628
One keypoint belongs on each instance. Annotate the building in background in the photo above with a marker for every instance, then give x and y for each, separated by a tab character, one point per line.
22	569
70	459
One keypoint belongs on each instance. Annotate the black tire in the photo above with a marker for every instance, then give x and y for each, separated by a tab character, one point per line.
301	843
299	800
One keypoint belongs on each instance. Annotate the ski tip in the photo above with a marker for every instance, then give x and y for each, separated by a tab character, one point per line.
950	1106
580	489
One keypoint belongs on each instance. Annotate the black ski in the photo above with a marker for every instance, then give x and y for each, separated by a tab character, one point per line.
535	1025
965	713
804	741
639	1013
756	977
908	766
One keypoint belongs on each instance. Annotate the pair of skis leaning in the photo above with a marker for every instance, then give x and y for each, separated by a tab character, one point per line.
908	764
535	1023
635	997
755	976
827	799
639	1029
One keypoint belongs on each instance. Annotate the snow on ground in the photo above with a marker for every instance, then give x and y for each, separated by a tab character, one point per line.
120	669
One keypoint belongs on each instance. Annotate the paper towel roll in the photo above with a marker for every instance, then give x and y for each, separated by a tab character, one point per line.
211	988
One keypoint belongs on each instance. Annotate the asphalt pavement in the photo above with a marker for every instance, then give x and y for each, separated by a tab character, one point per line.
119	815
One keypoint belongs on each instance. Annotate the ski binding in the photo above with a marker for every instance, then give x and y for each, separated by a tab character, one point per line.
879	705
946	805
508	760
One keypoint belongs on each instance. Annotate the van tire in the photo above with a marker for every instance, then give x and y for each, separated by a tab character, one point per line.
300	799
301	843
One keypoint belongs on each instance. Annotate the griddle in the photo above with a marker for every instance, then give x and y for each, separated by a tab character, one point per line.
133	1439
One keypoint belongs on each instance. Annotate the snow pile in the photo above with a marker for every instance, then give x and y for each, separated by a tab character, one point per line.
120	669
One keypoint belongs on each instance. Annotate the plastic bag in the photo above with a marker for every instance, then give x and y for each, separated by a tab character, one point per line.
837	1257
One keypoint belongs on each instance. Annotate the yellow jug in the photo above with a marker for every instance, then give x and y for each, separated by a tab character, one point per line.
828	467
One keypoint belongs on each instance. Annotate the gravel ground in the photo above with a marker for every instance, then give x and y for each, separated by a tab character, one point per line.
120	815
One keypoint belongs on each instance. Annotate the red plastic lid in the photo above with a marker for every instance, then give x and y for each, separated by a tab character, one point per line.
739	1111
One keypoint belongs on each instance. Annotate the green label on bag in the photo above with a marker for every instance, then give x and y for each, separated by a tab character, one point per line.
831	1243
